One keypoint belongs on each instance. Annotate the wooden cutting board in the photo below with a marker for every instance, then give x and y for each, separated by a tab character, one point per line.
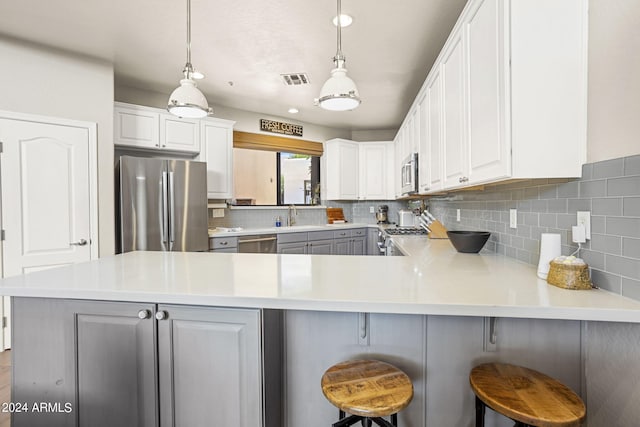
335	215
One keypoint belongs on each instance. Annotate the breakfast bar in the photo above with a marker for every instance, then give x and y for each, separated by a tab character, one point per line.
276	322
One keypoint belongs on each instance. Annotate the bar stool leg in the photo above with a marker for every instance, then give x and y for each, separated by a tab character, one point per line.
394	419
479	412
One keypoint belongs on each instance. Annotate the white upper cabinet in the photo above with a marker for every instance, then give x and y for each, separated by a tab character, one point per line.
376	171
488	148
217	152
146	128
179	134
505	99
358	170
136	126
341	173
430	147
452	68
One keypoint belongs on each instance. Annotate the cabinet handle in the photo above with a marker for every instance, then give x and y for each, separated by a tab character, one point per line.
144	314
161	315
224	243
157	145
80	242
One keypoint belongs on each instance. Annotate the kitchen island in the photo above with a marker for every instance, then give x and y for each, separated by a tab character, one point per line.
432	313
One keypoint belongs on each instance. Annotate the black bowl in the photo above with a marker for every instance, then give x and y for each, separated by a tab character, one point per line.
468	242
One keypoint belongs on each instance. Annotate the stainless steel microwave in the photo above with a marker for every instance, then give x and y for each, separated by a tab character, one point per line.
409	175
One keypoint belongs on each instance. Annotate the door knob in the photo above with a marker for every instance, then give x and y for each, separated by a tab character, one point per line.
80	242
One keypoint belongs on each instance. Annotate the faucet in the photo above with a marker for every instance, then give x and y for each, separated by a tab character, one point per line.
291	217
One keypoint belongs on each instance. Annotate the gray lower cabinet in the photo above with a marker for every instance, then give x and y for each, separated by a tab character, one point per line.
115	364
350	242
223	244
320	247
292	248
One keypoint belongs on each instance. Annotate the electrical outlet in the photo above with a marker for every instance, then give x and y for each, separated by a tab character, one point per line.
217	213
513	218
458	215
584	219
371	210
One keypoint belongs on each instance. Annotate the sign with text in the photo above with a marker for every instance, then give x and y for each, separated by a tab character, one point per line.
280	127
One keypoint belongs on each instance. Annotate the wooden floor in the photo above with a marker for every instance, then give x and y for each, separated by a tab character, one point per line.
5	386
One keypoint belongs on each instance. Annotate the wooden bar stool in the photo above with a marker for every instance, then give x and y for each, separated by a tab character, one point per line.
528	397
367	390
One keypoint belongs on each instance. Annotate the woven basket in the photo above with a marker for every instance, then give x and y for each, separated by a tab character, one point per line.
569	276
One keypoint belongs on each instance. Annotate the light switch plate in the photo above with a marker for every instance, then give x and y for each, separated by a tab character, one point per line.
584	219
371	210
458	215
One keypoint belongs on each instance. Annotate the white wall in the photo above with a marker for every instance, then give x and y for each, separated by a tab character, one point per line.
43	81
614	79
246	121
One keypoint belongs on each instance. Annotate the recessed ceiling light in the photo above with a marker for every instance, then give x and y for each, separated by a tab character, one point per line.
293	110
345	20
197	75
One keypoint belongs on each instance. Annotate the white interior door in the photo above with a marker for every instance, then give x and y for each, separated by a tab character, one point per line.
47	188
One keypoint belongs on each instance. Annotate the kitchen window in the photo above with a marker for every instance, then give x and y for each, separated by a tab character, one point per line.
275	171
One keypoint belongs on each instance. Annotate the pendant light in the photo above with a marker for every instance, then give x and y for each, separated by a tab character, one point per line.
339	93
187	100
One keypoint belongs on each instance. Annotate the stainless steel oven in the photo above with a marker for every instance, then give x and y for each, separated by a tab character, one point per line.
409	174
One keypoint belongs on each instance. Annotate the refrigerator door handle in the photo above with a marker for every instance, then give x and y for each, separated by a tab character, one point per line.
165	209
172	212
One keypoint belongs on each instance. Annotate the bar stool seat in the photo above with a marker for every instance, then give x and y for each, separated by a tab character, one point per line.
526	396
367	390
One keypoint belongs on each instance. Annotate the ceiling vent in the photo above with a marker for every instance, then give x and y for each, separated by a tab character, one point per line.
295	79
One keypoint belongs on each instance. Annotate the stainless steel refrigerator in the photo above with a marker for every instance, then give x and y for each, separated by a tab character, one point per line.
162	205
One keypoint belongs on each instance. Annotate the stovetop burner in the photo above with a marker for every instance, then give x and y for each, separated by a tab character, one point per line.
405	231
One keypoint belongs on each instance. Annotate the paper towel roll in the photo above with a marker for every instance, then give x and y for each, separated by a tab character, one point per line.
549	249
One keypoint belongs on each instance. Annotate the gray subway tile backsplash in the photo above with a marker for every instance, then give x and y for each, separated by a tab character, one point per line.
609	189
632	165
627	186
607	206
608	168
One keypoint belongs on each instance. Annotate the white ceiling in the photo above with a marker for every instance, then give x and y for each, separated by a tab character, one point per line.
390	48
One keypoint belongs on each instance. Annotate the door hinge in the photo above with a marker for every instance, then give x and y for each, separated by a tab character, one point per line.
1	235
1	146
4	322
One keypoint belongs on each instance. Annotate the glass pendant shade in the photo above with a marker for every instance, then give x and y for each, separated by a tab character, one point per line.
339	93
187	101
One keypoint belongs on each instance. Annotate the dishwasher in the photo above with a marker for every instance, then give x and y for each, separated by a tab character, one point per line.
257	244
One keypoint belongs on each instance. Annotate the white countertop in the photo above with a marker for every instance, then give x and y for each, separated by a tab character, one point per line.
433	279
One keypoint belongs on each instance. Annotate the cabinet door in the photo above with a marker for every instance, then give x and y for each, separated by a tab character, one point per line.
136	128
373	171
349	171
342	246
292	248
98	357
359	246
218	153
179	134
431	140
320	247
210	367
489	147
452	69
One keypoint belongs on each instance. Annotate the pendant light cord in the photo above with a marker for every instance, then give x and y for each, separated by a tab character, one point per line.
188	68
339	58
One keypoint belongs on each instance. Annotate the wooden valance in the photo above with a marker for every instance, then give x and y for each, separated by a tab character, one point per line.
257	141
